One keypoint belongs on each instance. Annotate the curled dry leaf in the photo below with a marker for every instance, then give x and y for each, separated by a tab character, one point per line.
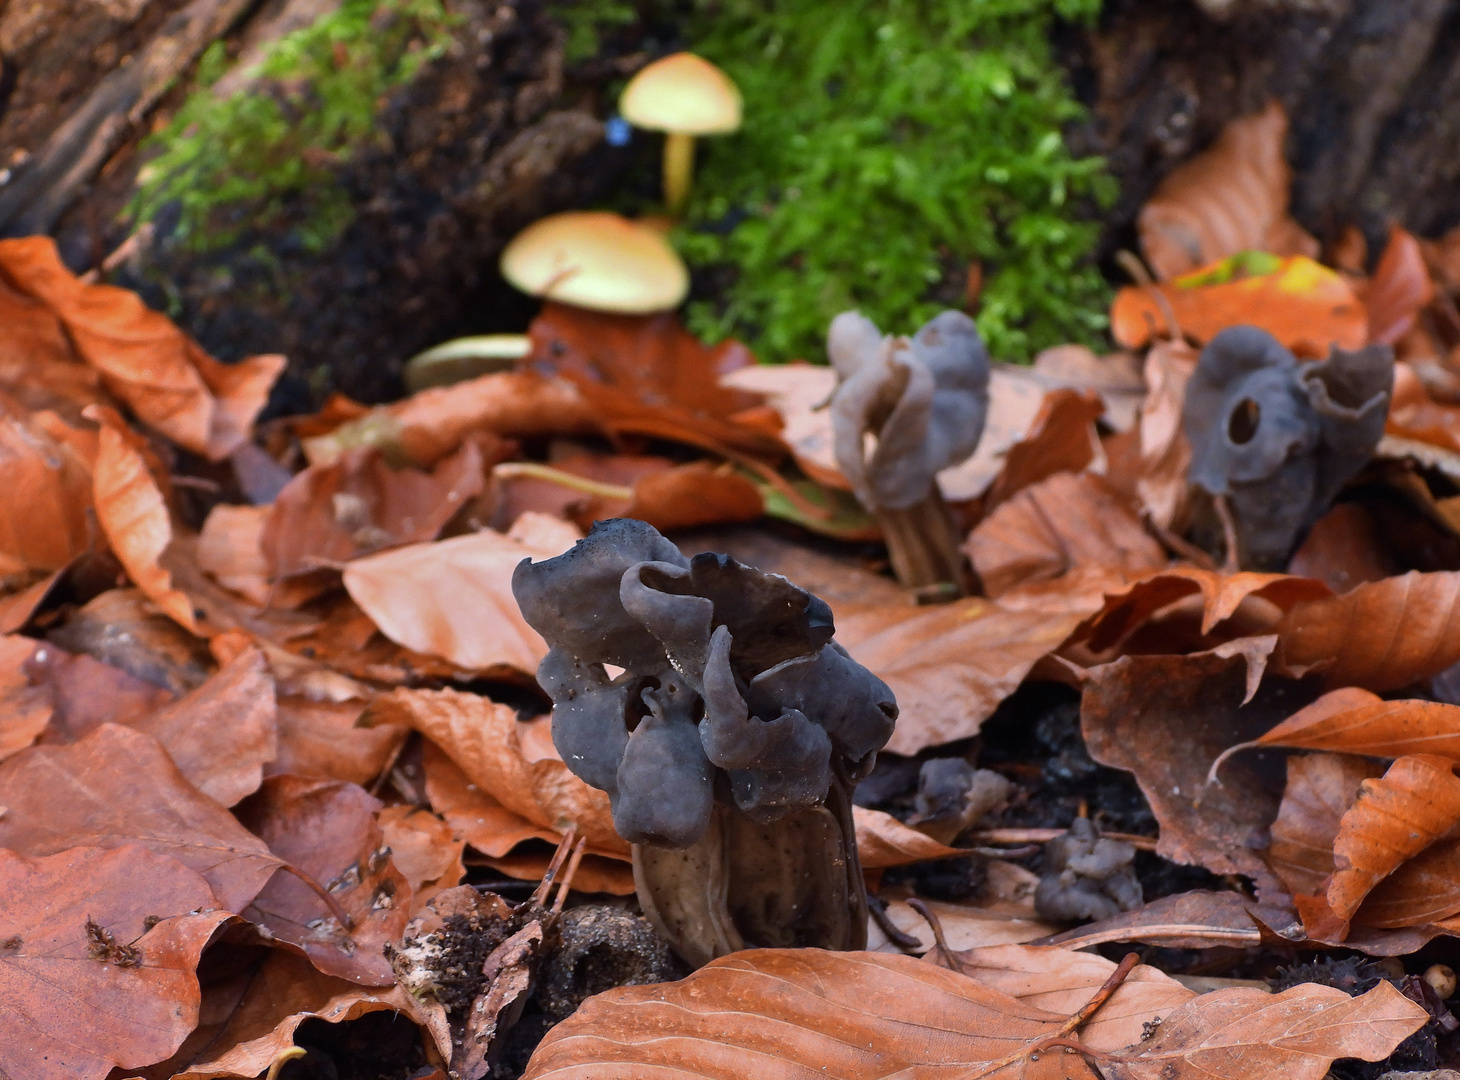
951	665
1165	719
223	733
330	514
1320	789
327	829
1380	636
38	367
164	377
883	841
230	550
25	708
97	957
1232	197
1399	289
1062	980
134	517
1355	721
1061	438
84	693
116	787
122	628
1199	919
1049	528
453	598
47	465
424	849
1165	451
261	1011
1393	819
647	375
425	427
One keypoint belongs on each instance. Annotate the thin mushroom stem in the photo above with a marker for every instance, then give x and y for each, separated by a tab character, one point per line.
679	168
922	544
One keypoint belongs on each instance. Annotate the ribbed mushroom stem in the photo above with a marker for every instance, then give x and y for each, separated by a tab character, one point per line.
922	544
679	168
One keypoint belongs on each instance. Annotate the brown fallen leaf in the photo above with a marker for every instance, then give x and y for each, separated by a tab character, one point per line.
84	693
124	629
116	787
989	922
1393	819
424	849
1165	452
1356	721
223	733
952	664
134	517
1048	528
164	376
47	466
320	738
1344	549
1399	289
513	762
1231	197
1199	919
1423	894
884	841
1381	636
1062	438
1062	980
38	366
262	1014
25	708
97	957
453	598
1295	1035
1165	719
357	504
327	829
423	428
647	375
1320	789
18	608
230	551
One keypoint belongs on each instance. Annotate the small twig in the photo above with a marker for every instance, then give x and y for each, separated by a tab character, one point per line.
390	764
939	941
1131	263
532	470
1229	533
340	914
567	883
565	845
877	908
1044	836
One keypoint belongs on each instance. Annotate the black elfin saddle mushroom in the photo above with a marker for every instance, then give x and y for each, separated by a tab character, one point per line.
1278	439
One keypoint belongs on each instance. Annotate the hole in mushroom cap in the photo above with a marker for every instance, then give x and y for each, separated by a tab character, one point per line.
1242	424
635	708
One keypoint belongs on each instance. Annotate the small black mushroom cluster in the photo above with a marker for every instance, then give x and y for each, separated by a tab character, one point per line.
730	683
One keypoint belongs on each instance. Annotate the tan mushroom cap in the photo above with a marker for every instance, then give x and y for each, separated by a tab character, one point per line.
682	93
596	260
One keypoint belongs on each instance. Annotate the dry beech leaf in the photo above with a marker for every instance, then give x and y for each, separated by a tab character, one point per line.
1062	980
1062	438
1399	289
1165	451
1166	719
424	849
1320	789
320	738
1127	608
47	465
18	608
87	982
423	428
883	841
647	375
694	494
118	786
992	922
266	1010
1381	636
1048	528
223	733
123	628
1295	1035
1424	894
134	516
1356	721
327	829
85	693
25	708
1199	919
38	366
230	551
1231	197
453	598
1394	818
1344	549
952	664
164	376
513	762
357	504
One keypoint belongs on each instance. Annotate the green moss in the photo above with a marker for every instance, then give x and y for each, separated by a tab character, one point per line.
884	142
269	155
587	20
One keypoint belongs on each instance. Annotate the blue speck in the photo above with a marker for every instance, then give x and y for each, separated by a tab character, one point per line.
618	131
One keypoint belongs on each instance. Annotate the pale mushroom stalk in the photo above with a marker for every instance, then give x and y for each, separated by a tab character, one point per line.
923	401
679	167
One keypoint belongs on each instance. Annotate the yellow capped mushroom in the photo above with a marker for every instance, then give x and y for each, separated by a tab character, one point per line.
683	96
596	260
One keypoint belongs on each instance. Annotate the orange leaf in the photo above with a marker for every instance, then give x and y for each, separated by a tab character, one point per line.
1355	721
47	465
884	841
1307	307
134	516
1231	197
25	709
1061	439
1399	289
1321	788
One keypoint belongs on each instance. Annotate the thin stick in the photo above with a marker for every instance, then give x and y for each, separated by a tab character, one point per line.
567	883
877	908
540	894
939	941
508	470
324	894
1229	533
1044	836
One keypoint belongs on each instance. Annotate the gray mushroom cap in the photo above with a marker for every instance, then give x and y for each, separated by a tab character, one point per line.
925	398
727	669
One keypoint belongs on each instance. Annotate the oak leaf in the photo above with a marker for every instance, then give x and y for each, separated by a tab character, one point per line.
453	598
116	787
97	956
